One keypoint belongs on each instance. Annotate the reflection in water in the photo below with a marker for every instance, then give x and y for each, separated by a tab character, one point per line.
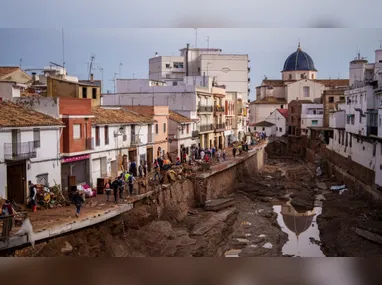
300	227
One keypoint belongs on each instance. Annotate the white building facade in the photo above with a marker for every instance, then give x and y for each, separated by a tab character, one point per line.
30	150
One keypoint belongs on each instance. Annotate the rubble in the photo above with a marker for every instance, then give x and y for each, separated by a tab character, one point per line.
218	204
67	248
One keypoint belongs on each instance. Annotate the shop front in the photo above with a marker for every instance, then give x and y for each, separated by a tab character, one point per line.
75	170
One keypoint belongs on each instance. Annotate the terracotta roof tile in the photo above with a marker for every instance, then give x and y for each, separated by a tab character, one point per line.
283	112
262	124
176	117
118	116
14	115
333	82
5	70
270	100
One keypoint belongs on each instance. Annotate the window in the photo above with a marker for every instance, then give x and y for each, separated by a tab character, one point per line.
331	99
312	76
306	91
97	136
254	128
314	122
167	65
36	137
43	179
342	98
106	134
164	127
76	131
302	76
290	76
280	129
292	109
277	129
178	64
156	129
182	129
175	83
188	128
84	92
94	93
350	140
263	129
282	106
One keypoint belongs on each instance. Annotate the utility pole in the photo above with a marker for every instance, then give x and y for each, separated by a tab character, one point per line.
63	48
21	60
196	37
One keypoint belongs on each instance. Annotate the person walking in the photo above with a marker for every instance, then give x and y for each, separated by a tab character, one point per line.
78	200
108	190
131	184
234	151
32	195
115	186
219	155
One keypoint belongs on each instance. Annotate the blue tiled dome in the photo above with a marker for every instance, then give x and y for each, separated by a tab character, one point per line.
299	60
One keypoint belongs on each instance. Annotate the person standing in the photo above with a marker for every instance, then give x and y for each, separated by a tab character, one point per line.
140	170
224	155
202	153
131	184
145	169
121	186
115	186
108	190
32	196
7	210
219	155
234	151
133	168
78	200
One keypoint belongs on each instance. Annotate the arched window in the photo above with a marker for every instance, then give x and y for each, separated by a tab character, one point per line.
312	76
290	76
306	91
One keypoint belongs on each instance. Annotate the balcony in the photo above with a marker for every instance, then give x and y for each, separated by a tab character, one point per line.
135	140
150	138
220	127
219	109
205	109
90	143
206	128
19	151
195	134
372	131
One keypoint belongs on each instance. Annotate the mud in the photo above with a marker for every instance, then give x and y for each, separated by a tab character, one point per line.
282	211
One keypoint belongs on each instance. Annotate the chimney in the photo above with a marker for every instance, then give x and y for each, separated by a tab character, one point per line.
91	77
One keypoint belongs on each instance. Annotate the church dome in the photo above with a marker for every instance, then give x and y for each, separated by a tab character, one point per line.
299	60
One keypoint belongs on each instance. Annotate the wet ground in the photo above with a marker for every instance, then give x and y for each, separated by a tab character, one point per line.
283	211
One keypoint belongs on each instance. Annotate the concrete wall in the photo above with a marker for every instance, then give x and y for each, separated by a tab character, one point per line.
222	183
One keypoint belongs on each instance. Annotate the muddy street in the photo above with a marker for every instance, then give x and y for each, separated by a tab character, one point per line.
284	210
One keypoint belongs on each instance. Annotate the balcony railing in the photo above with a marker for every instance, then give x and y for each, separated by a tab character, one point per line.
205	109
206	128
195	134
19	151
135	140
220	126
150	138
89	143
219	109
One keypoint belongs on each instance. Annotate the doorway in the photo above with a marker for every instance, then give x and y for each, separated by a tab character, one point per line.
16	174
150	158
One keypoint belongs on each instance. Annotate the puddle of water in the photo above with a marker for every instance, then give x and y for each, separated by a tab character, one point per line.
299	228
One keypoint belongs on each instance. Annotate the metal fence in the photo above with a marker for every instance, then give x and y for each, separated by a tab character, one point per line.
16	151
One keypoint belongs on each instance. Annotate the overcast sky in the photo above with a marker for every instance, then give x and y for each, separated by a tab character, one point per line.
331	49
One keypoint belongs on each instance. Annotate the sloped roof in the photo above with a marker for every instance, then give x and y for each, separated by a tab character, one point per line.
13	115
283	112
270	100
262	124
104	116
176	117
333	82
96	83
5	70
